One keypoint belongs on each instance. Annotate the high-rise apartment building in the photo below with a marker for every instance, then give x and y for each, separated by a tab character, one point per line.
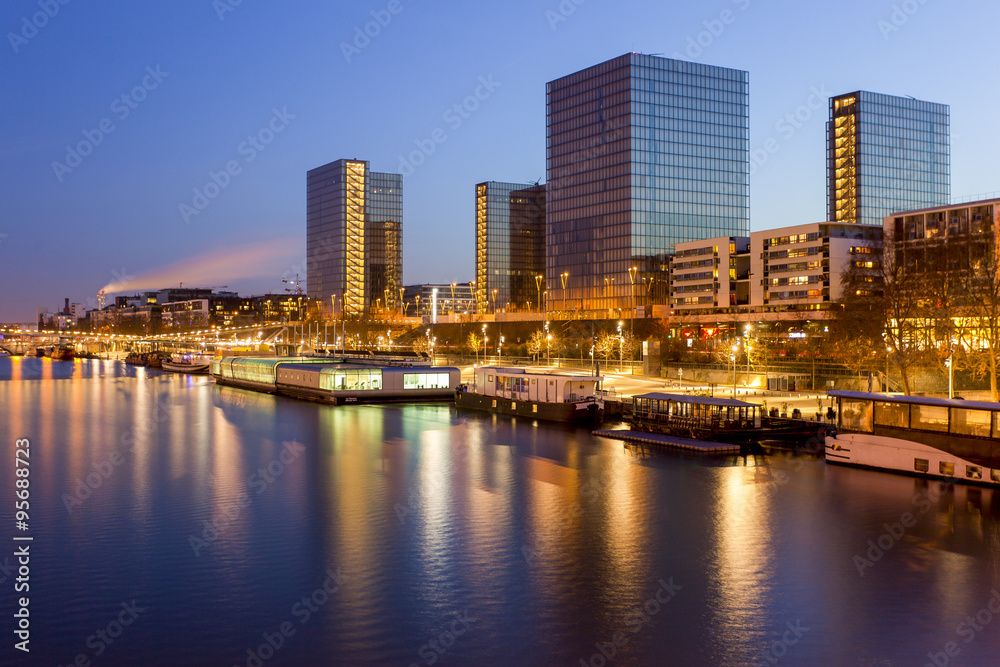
354	237
510	246
642	153
885	154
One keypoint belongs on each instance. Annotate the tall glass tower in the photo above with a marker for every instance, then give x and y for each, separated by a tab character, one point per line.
354	238
510	246
642	153
886	154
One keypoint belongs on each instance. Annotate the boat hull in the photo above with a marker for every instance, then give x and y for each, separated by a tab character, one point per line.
790	434
580	412
190	369
879	452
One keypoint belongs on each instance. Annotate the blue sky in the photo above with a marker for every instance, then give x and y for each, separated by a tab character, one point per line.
188	88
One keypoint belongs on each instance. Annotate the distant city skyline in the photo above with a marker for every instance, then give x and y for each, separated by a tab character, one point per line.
137	136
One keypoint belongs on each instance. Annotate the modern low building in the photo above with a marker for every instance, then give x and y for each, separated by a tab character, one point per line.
510	246
885	154
948	255
354	237
643	153
791	273
711	276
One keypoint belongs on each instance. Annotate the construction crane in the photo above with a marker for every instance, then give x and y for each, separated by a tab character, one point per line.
297	282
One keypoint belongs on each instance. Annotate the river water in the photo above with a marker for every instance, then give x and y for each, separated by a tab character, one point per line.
176	522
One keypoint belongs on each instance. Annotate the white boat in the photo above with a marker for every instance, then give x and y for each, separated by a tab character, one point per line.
563	397
192	363
929	437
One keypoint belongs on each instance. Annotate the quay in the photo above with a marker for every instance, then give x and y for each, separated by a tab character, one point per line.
688	444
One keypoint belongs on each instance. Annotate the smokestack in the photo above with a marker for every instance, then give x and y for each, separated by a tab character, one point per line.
66	307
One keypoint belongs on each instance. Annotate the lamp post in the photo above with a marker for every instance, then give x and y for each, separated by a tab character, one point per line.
484	344
732	358
500	351
951	372
621	347
887	351
631	279
538	284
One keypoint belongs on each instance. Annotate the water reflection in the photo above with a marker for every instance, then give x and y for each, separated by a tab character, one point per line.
221	508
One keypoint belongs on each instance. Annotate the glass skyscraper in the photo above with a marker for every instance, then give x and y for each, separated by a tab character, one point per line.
510	246
354	238
642	153
886	154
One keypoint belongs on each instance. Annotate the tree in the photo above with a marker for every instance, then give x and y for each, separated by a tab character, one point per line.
536	343
605	345
881	308
475	341
980	287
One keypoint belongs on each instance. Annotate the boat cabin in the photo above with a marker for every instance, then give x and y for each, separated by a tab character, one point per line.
696	410
519	384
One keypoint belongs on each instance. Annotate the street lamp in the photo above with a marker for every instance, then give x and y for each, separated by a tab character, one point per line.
621	347
538	284
732	358
500	351
631	279
484	344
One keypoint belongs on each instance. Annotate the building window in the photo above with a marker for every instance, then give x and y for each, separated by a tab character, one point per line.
425	381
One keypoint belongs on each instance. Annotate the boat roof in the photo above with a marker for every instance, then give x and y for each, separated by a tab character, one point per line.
921	400
700	400
337	366
508	370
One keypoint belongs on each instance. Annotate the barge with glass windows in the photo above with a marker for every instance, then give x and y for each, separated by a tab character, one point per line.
724	420
562	397
337	381
943	438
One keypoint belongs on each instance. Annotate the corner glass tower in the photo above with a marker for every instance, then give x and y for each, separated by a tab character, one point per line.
510	246
642	153
354	241
886	154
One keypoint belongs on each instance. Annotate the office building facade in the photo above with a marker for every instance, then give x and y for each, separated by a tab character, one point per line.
354	238
886	154
642	153
510	246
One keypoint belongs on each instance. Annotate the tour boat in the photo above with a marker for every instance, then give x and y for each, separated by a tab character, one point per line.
560	397
193	364
929	437
725	420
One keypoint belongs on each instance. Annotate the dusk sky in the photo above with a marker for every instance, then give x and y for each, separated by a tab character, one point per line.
184	86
